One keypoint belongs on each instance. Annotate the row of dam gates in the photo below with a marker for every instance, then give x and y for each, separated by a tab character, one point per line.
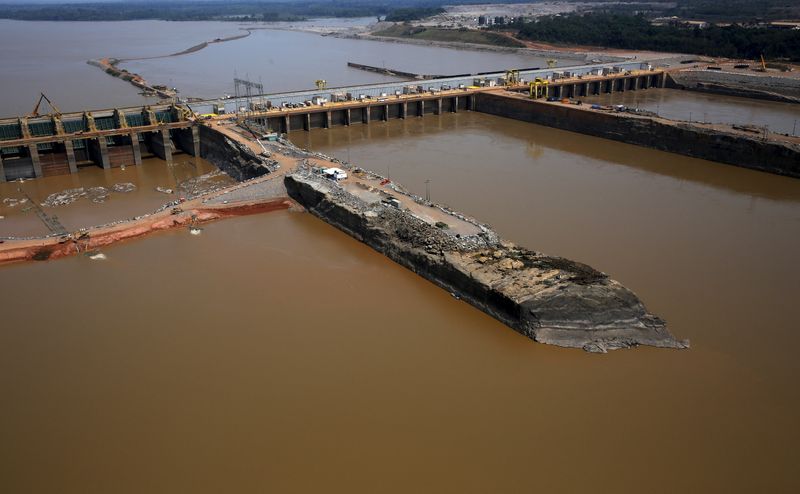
56	144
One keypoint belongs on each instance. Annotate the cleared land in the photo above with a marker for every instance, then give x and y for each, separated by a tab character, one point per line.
453	35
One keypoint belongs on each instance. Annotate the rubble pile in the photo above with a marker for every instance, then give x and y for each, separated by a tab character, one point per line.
203	184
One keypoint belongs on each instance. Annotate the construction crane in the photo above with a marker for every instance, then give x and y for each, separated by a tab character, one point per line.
321	83
35	113
551	63
763	67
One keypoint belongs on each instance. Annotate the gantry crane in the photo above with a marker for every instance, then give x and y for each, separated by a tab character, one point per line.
512	77
539	88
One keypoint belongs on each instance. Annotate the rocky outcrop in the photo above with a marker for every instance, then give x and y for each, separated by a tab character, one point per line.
549	299
235	159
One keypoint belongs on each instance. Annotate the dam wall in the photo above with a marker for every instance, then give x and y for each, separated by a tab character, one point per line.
697	141
548	299
767	87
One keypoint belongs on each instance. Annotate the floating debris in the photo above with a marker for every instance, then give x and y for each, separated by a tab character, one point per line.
123	187
95	255
97	195
164	190
2	217
12	202
195	230
64	197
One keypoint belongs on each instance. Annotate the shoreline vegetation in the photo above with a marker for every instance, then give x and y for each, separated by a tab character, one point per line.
636	32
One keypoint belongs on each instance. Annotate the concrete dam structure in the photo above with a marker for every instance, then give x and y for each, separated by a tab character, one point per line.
546	298
59	144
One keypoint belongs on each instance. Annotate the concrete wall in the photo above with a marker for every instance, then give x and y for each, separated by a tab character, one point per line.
738	84
686	139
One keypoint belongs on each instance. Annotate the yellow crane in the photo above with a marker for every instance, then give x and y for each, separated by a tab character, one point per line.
53	107
539	88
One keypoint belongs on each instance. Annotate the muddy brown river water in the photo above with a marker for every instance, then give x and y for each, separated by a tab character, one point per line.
273	352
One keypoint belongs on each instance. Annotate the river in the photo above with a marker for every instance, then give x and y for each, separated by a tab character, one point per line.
274	352
51	57
87	205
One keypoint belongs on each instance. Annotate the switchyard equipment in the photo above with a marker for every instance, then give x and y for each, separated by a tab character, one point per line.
248	87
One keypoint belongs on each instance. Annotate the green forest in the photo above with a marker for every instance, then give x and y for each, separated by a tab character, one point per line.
636	32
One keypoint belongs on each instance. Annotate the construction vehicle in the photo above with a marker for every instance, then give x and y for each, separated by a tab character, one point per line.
321	83
539	88
35	113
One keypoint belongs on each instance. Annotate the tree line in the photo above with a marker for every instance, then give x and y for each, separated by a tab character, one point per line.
635	32
221	10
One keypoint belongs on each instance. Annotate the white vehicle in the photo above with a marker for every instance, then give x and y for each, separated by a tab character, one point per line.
335	173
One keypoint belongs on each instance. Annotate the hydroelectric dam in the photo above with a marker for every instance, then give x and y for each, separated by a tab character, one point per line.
546	298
